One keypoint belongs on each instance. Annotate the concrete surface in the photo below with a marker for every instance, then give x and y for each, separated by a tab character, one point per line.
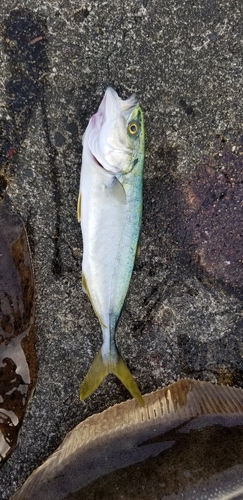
182	316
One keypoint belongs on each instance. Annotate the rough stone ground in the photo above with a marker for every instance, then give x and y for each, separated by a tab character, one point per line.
183	315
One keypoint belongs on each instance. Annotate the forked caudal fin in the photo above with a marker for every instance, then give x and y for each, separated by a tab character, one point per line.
100	368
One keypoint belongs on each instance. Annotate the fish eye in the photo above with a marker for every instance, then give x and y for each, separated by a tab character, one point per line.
132	128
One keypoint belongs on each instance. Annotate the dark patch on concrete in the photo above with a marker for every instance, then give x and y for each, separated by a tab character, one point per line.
230	377
81	14
213	216
24	39
163	218
187	107
72	128
59	139
223	357
213	37
3	185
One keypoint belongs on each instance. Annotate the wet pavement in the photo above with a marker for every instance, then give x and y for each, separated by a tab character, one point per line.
183	315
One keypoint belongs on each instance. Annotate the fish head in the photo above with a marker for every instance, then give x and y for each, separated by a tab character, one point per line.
115	134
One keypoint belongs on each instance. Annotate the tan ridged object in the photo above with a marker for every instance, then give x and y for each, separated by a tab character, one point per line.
126	434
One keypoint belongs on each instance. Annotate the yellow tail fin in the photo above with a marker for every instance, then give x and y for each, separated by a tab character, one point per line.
100	369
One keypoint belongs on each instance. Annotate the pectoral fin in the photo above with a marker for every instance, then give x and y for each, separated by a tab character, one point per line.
117	191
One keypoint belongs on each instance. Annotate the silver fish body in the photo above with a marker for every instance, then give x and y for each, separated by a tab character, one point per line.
110	210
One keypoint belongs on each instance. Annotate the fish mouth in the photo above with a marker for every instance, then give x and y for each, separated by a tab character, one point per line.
113	104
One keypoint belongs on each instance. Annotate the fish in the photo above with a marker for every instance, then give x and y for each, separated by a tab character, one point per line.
18	363
110	212
186	443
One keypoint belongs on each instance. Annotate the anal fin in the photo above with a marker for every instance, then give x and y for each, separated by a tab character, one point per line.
86	290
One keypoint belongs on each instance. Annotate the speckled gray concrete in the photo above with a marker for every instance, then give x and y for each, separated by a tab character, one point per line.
184	61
